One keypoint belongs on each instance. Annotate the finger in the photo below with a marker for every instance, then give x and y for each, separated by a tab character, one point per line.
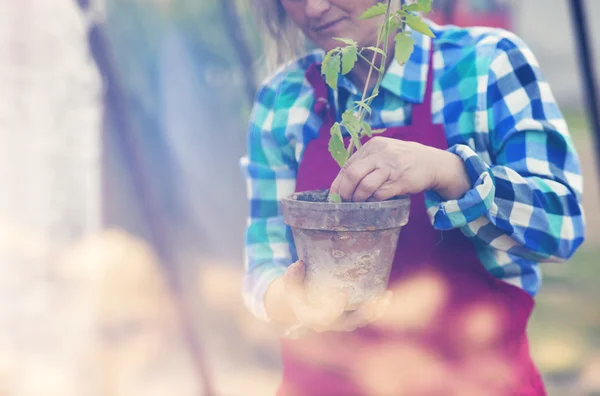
383	305
356	157
360	155
352	174
322	318
387	191
370	311
369	185
367	313
335	186
293	280
362	316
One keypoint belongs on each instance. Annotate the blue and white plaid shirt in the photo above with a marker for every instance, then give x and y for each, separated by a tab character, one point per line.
500	117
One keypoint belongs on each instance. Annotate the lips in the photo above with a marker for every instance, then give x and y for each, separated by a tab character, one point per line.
327	26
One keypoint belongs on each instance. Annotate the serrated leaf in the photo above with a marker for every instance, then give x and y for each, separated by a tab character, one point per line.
376	10
346	41
367	129
352	124
336	145
405	46
349	58
335	198
326	59
417	24
331	68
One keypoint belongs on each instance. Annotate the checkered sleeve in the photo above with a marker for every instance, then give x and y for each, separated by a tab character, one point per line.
526	200
270	172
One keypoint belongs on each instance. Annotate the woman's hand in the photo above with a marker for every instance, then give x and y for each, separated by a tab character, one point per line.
287	304
384	168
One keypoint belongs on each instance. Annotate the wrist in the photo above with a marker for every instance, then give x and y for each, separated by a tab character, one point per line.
451	180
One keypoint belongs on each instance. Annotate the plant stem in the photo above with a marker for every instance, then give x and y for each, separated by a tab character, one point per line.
350	148
372	63
383	32
385	50
368	61
371	97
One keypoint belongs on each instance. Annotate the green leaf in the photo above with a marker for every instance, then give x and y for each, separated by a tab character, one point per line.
335	198
424	5
417	24
419	6
349	58
377	131
376	10
331	68
411	7
364	106
376	49
346	41
395	22
352	124
405	46
327	57
336	145
367	129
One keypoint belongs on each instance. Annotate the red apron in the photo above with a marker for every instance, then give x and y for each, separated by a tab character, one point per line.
452	328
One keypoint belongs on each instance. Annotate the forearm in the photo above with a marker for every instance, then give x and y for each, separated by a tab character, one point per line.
511	209
452	180
545	222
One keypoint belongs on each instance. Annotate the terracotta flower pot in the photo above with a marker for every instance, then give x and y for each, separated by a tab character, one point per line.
348	246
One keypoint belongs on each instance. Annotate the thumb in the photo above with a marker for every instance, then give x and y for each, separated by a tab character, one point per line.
293	279
383	305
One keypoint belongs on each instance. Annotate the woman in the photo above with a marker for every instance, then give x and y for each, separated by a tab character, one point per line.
475	137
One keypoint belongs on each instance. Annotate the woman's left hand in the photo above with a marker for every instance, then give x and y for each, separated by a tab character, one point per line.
384	168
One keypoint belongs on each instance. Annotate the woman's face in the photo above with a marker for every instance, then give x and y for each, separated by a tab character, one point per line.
322	20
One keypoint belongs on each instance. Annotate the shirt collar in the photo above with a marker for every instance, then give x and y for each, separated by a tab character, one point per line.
408	81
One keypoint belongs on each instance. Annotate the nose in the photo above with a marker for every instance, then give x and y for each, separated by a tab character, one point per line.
316	8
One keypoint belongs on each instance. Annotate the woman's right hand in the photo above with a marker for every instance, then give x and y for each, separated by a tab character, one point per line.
286	303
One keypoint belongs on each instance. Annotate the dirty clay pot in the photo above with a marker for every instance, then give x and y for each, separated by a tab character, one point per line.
346	246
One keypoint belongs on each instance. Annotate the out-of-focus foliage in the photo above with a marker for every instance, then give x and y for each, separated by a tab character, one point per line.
184	87
138	30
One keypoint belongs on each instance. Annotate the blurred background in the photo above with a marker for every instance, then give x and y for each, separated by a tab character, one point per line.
122	208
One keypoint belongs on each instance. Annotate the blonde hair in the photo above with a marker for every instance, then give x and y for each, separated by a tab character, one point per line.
282	40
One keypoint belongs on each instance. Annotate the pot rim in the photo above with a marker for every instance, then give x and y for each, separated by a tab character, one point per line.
345	216
292	200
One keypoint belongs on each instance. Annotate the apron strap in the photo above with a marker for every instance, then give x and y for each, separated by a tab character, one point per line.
321	107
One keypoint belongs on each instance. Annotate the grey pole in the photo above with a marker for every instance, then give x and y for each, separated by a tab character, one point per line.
586	63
